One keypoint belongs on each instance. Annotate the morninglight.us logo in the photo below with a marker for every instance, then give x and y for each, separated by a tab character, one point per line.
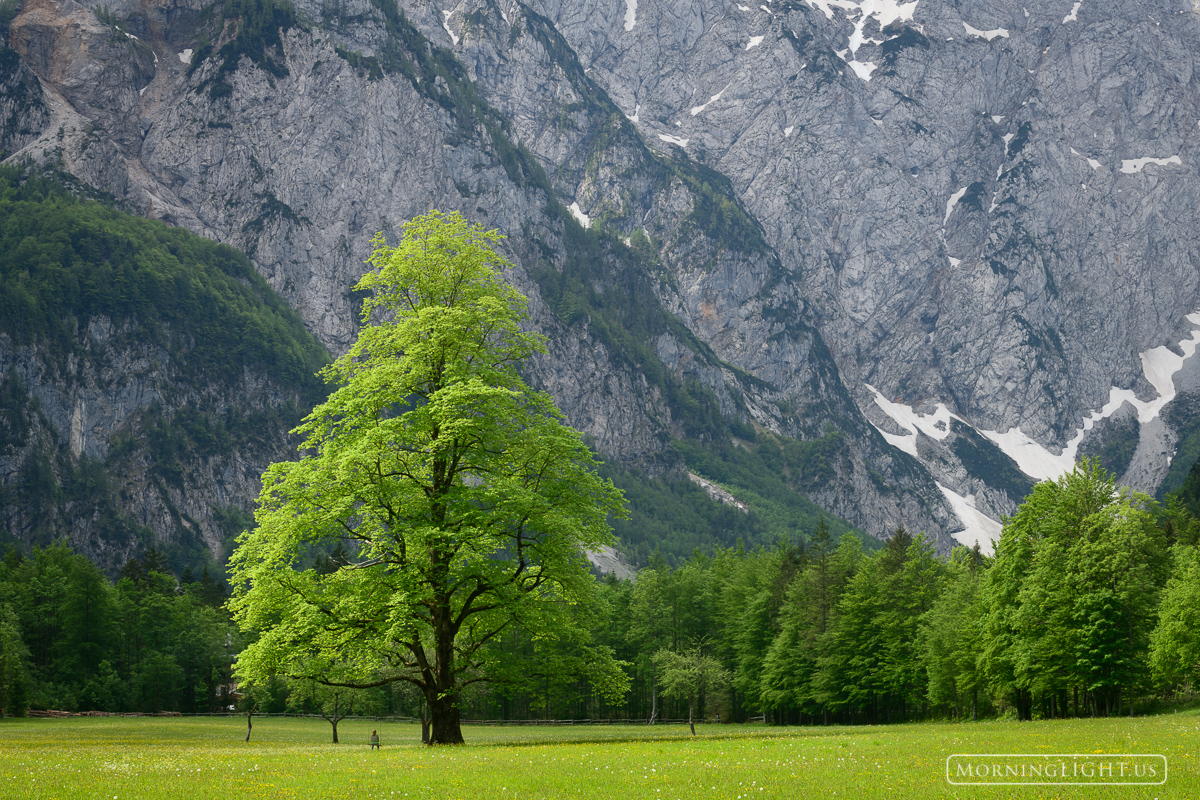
1056	769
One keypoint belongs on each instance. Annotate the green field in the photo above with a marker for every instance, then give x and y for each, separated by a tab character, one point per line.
206	758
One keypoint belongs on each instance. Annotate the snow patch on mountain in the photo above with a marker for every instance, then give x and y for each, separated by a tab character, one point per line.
935	425
1133	165
697	109
951	203
583	218
978	528
884	12
989	35
1159	365
446	25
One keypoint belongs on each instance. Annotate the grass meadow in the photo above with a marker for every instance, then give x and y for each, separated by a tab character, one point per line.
118	758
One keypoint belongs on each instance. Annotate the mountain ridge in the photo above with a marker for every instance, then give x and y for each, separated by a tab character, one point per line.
706	260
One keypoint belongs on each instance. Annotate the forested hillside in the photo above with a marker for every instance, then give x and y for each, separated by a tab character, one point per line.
147	377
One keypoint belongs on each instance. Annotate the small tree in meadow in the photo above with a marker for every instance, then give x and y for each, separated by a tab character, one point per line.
689	675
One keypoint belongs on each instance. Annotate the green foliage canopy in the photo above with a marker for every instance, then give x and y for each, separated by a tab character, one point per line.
463	499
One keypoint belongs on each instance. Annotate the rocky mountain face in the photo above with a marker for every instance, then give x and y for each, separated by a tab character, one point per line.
108	453
987	205
935	241
147	378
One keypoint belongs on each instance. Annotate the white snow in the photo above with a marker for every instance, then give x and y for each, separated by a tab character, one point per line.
885	12
742	7
989	35
977	526
697	109
142	90
1074	12
788	131
1093	163
1131	165
583	218
827	6
1026	10
935	425
1159	366
1033	459
186	56
630	14
951	203
863	69
446	25
130	35
755	41
1008	137
954	262
878	122
997	120
673	140
636	110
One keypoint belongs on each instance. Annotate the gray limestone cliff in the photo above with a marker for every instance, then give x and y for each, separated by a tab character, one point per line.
112	452
987	205
940	235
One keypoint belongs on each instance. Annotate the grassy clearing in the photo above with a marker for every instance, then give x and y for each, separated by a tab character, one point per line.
206	758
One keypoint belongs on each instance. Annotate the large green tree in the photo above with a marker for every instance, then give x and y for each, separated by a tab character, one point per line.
1175	643
1072	595
463	500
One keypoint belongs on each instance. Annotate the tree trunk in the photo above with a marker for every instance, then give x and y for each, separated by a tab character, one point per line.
249	714
653	703
691	713
442	691
334	723
424	722
443	712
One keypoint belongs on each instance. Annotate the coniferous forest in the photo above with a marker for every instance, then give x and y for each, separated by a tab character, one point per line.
1086	609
